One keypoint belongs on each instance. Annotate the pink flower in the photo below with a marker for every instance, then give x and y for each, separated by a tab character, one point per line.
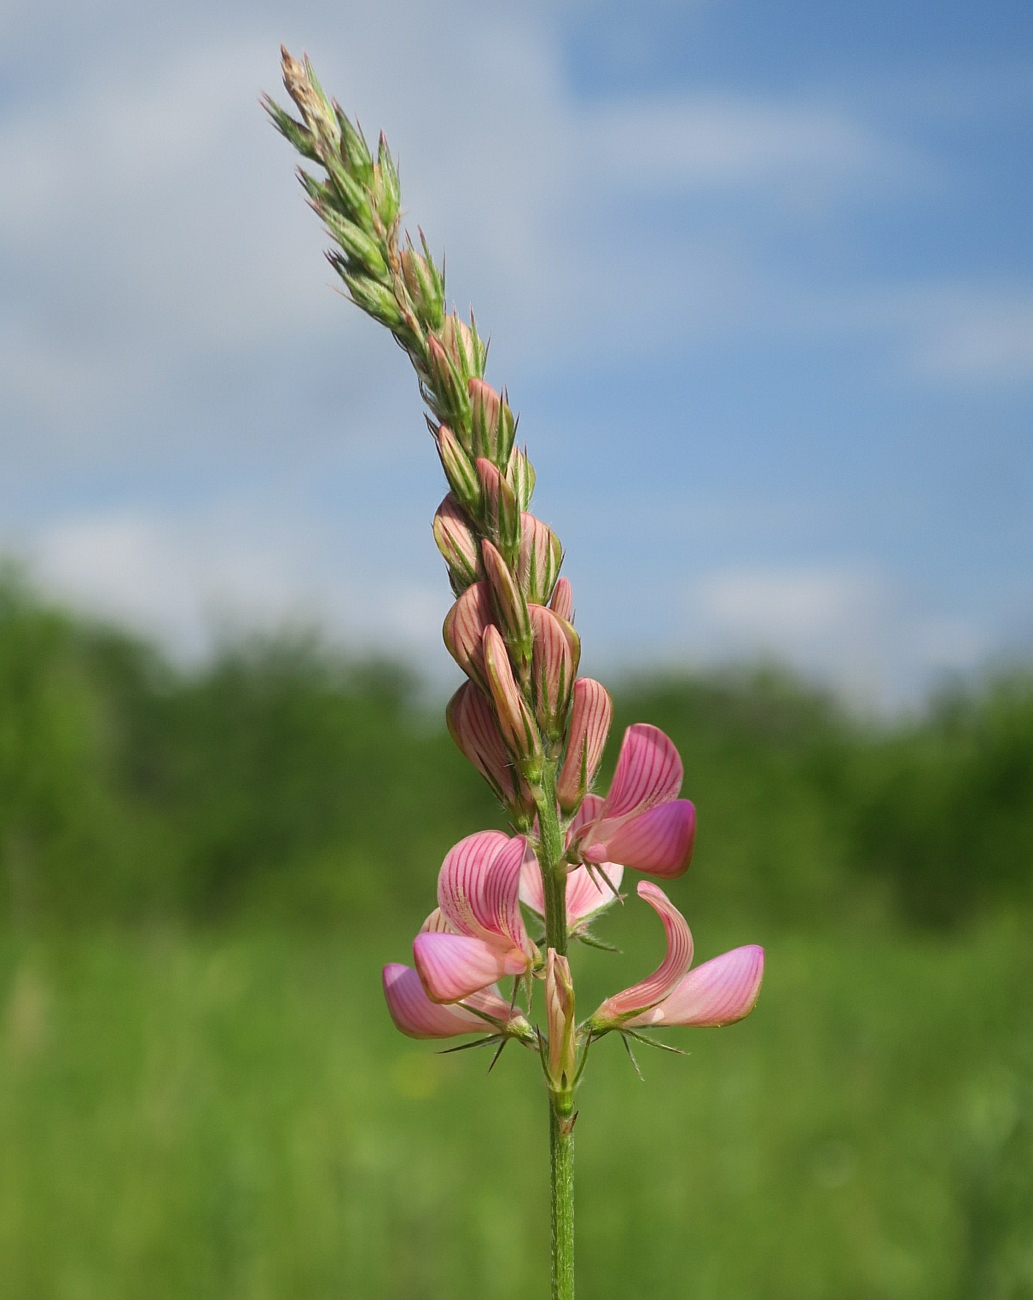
719	992
587	893
641	823
476	935
414	1013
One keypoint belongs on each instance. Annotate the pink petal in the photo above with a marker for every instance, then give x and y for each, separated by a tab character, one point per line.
562	602
414	1013
659	841
591	712
591	807
649	772
585	897
437	923
531	891
452	966
463	630
461	881
719	992
676	963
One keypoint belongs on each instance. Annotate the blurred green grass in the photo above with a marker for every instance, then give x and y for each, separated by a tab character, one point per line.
201	1093
234	1116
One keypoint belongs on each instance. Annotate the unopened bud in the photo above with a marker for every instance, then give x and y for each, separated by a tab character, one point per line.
372	297
457	544
554	660
302	86
515	721
384	187
562	602
459	471
540	558
590	716
471	722
463	631
491	424
559	1017
426	288
464	347
449	386
499	511
520	477
510	608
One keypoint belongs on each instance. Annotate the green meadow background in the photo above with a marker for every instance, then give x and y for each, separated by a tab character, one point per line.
201	1095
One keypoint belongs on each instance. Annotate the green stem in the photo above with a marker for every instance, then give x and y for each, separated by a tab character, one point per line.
561	1160
561	1105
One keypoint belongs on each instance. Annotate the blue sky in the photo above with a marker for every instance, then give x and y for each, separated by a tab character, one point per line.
759	278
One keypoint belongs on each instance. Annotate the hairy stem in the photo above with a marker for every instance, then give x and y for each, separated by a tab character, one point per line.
561	1104
561	1161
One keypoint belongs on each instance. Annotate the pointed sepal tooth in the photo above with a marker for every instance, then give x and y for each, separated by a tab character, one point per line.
562	602
516	724
511	613
540	558
590	717
457	543
500	512
463	631
520	476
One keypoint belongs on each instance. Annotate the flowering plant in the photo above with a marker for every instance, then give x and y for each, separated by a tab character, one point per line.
533	728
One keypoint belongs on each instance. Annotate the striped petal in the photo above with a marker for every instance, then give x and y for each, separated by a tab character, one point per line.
719	992
648	992
452	966
591	712
585	896
649	772
659	841
414	1013
472	889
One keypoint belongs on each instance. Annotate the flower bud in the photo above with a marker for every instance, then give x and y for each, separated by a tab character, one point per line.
491	424
472	725
463	631
449	386
464	347
426	287
562	602
384	187
304	89
511	614
459	471
515	722
559	1017
554	661
540	558
499	511
520	477
457	544
590	717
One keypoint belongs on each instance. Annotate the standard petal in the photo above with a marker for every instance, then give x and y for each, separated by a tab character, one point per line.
659	841
719	992
462	881
414	1013
649	772
452	966
585	896
648	992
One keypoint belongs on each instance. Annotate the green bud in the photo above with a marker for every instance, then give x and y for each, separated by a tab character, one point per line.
375	299
385	187
299	136
360	247
462	477
426	288
520	477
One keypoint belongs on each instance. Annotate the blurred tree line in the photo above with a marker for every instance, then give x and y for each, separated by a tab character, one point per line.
286	783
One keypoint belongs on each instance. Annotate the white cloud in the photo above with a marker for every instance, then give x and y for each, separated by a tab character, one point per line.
184	577
850	627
